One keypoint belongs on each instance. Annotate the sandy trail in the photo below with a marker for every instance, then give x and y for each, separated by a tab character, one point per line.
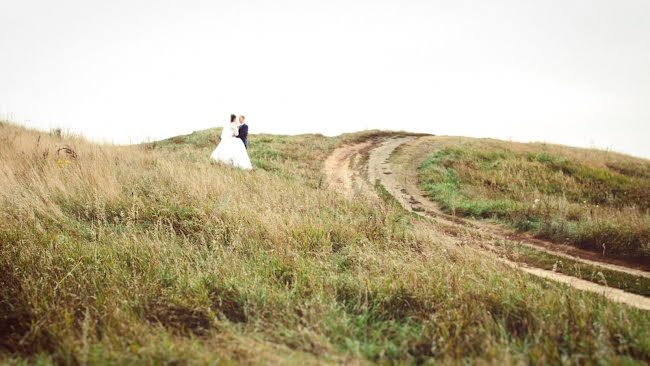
611	293
337	168
404	190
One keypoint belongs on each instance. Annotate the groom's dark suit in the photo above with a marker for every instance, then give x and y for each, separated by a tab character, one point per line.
243	134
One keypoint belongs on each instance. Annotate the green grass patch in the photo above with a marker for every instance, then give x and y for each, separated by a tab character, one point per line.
561	198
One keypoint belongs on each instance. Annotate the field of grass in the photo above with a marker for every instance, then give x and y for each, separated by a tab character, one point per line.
595	200
152	254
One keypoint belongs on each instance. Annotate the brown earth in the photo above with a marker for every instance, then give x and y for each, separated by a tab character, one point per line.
340	175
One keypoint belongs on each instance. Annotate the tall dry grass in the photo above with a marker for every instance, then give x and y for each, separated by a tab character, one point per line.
152	254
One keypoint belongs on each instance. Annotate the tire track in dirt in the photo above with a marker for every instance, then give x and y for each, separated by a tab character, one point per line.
337	168
338	171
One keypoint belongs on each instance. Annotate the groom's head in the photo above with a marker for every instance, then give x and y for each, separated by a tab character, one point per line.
242	119
232	118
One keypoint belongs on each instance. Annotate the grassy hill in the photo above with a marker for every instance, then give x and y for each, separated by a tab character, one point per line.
594	200
152	254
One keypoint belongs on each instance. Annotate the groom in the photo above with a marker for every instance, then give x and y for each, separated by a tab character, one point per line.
243	131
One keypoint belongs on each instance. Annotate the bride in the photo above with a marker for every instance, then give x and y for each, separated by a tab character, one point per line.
231	150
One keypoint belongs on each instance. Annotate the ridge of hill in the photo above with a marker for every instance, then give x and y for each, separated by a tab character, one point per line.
153	254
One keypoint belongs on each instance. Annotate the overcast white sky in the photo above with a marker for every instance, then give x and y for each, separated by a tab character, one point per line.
569	71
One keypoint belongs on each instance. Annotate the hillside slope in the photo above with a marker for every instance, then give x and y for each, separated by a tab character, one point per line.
387	161
152	254
594	200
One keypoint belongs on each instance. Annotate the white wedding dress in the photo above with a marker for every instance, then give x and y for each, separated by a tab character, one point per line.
231	150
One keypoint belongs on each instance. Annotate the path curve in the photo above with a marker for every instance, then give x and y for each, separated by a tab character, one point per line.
340	174
337	167
413	199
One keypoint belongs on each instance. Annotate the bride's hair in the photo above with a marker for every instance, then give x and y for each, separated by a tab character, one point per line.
232	118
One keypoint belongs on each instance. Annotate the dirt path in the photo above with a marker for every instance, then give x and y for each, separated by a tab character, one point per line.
340	174
405	191
379	169
611	293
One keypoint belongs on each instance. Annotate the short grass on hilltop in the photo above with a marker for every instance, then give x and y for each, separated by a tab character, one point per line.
293	157
154	255
592	199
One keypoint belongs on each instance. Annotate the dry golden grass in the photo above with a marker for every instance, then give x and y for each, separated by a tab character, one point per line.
152	254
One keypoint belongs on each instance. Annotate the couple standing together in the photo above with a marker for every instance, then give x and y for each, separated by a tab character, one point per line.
234	143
